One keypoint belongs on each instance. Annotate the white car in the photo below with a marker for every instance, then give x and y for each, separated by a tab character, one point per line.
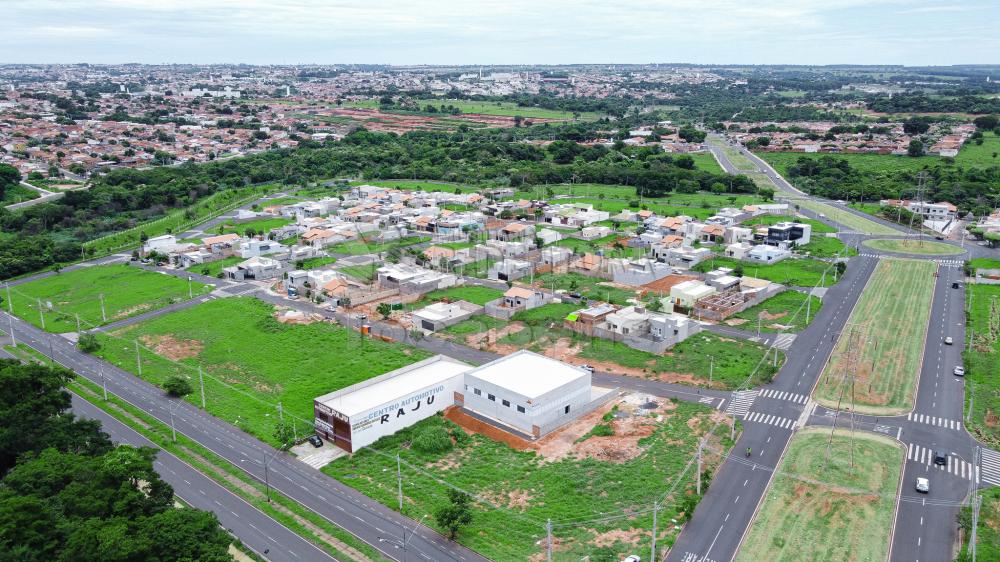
948	340
959	371
923	485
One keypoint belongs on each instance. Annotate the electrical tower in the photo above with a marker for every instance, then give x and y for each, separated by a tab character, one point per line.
857	336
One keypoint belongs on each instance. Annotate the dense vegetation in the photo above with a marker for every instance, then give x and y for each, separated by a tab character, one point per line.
970	189
67	493
918	102
51	232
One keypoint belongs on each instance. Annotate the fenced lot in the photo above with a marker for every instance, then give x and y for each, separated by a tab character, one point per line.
126	290
886	333
251	361
819	507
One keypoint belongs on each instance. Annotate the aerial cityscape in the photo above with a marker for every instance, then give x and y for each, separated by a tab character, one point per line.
303	281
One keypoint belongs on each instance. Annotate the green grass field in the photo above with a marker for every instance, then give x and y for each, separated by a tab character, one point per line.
786	309
214	268
471	293
984	263
360	247
922	247
316	263
982	362
590	287
526	489
17	193
263	361
499	108
365	273
127	291
800	272
826	247
847	219
257	225
817	226
819	510
705	161
891	318
988	534
980	156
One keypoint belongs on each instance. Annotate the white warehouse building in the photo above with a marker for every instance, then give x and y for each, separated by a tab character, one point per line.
524	393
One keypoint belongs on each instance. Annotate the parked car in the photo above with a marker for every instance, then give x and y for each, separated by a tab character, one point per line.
940	457
315	441
959	371
939	237
954	284
923	485
632	558
948	340
590	369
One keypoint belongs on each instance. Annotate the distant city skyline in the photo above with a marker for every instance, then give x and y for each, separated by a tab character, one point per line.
920	32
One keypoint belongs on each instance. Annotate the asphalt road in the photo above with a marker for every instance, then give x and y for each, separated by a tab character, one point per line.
263	535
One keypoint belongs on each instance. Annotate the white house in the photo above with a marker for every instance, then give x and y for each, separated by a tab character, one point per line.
254	248
767	254
687	293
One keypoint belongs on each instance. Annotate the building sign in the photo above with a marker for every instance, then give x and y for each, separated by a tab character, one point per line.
389	413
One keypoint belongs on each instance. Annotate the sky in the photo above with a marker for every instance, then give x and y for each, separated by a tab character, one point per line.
403	32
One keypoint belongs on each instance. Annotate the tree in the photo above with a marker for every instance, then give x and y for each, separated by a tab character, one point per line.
916	126
385	309
654	305
177	386
456	514
916	148
88	343
285	434
986	122
766	193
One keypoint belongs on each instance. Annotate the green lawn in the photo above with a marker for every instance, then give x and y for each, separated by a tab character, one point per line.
923	247
526	489
820	508
984	263
988	534
801	272
826	247
316	263
365	273
17	193
127	291
361	247
818	228
847	219
980	156
263	361
590	287
471	293
705	161
475	325
982	362
786	309
214	268
546	314
891	318
500	108
258	225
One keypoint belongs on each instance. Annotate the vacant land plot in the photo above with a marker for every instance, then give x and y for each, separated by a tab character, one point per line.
251	361
886	343
982	155
590	287
982	362
315	263
800	272
705	161
365	273
258	226
820	508
817	226
501	108
127	291
470	293
634	461
905	246
785	311
361	247
214	268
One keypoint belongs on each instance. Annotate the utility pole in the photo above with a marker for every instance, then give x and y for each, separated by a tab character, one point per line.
13	340
190	290
700	445
40	313
173	429
201	383
77	323
652	548
976	502
548	547
732	432
809	301
104	382
399	482
711	369
138	358
10	303
104	315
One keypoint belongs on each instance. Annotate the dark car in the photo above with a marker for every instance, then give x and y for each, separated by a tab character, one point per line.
315	441
954	285
940	457
939	237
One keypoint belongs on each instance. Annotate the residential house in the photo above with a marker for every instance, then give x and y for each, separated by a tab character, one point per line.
585	321
510	269
686	294
255	247
628	321
549	236
523	298
440	315
738	251
257	267
594	232
686	257
767	254
413	279
221	245
784	234
638	272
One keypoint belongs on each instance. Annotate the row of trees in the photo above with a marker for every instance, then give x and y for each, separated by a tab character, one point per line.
67	493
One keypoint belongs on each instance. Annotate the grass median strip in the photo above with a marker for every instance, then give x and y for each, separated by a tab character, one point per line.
819	507
881	348
286	511
908	246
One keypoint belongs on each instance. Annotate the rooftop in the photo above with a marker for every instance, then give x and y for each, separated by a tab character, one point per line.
528	374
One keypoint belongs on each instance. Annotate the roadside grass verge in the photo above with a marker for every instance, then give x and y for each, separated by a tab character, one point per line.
127	291
819	508
251	362
286	511
988	534
778	313
887	341
982	362
984	263
417	185
800	272
214	268
847	219
17	193
826	247
475	294
908	246
621	474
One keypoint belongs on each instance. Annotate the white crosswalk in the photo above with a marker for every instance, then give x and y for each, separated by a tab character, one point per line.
941	262
990	462
770	419
955	465
784	341
741	404
934	420
782	395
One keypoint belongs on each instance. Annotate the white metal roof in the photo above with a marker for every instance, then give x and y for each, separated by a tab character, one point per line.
391	386
527	373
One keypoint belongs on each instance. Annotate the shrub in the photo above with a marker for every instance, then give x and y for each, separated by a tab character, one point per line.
432	440
177	386
88	343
